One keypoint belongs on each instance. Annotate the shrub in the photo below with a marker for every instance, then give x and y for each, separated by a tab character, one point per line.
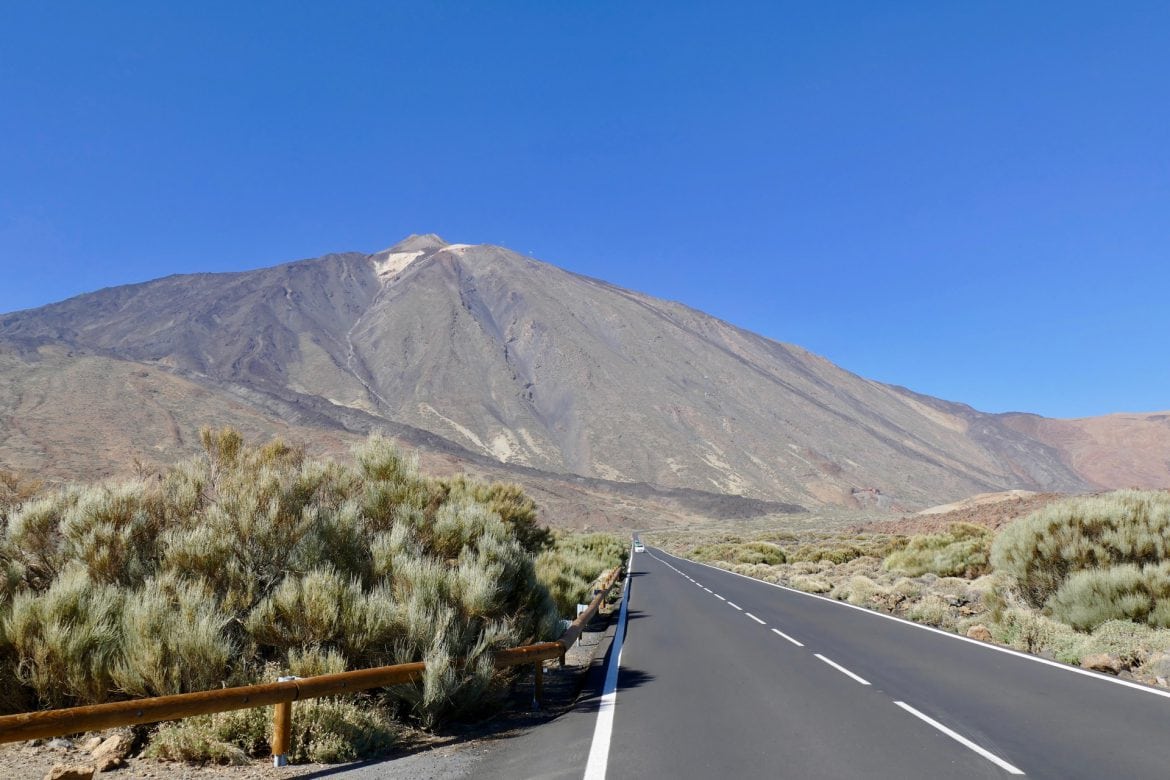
857	590
330	731
1131	643
933	610
811	584
220	738
67	638
251	556
961	550
322	609
1029	631
1091	597
510	503
831	554
112	529
313	661
741	552
34	537
173	639
573	565
14	697
1043	550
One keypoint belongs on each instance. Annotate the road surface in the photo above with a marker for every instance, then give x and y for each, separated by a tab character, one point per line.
726	677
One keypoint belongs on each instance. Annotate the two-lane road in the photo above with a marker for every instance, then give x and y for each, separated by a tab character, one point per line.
723	676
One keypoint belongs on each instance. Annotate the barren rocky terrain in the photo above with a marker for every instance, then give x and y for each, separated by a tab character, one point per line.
612	407
993	510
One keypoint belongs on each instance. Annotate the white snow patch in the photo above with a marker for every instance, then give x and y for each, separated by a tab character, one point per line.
390	264
455	247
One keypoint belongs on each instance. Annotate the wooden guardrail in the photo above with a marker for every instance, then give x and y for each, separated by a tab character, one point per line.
95	717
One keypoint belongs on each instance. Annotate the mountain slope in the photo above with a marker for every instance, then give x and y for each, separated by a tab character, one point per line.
523	363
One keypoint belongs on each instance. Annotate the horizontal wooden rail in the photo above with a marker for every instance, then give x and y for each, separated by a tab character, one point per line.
95	717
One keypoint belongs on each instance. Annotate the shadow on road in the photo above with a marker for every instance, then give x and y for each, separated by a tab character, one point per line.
590	699
635	614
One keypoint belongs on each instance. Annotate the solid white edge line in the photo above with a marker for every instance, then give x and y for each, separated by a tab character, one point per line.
733	604
780	633
753	617
842	669
940	632
962	740
598	760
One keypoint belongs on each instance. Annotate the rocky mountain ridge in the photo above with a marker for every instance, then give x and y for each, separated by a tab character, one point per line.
483	355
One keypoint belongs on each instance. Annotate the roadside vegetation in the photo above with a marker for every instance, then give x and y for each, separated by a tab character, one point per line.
575	562
248	562
1085	580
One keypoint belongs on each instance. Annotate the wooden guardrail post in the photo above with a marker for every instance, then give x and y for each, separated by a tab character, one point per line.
282	729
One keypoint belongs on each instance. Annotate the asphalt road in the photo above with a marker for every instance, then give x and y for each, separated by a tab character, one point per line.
726	677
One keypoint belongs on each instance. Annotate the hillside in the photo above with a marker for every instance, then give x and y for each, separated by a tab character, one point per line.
482	356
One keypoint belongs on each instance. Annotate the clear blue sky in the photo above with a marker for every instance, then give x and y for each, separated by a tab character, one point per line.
969	199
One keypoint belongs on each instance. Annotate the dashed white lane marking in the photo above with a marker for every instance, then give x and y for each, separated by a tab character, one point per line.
782	635
922	627
842	669
962	740
591	771
733	604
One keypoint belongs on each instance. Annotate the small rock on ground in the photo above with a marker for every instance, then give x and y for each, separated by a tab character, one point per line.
1102	662
118	746
980	632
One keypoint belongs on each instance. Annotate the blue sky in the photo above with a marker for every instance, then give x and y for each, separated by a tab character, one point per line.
968	199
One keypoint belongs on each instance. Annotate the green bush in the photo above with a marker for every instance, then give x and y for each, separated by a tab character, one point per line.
330	731
247	558
741	552
174	638
831	554
574	563
1041	552
1091	597
1028	630
67	640
221	738
962	550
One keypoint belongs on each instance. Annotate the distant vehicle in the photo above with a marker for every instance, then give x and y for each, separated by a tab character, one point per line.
639	547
